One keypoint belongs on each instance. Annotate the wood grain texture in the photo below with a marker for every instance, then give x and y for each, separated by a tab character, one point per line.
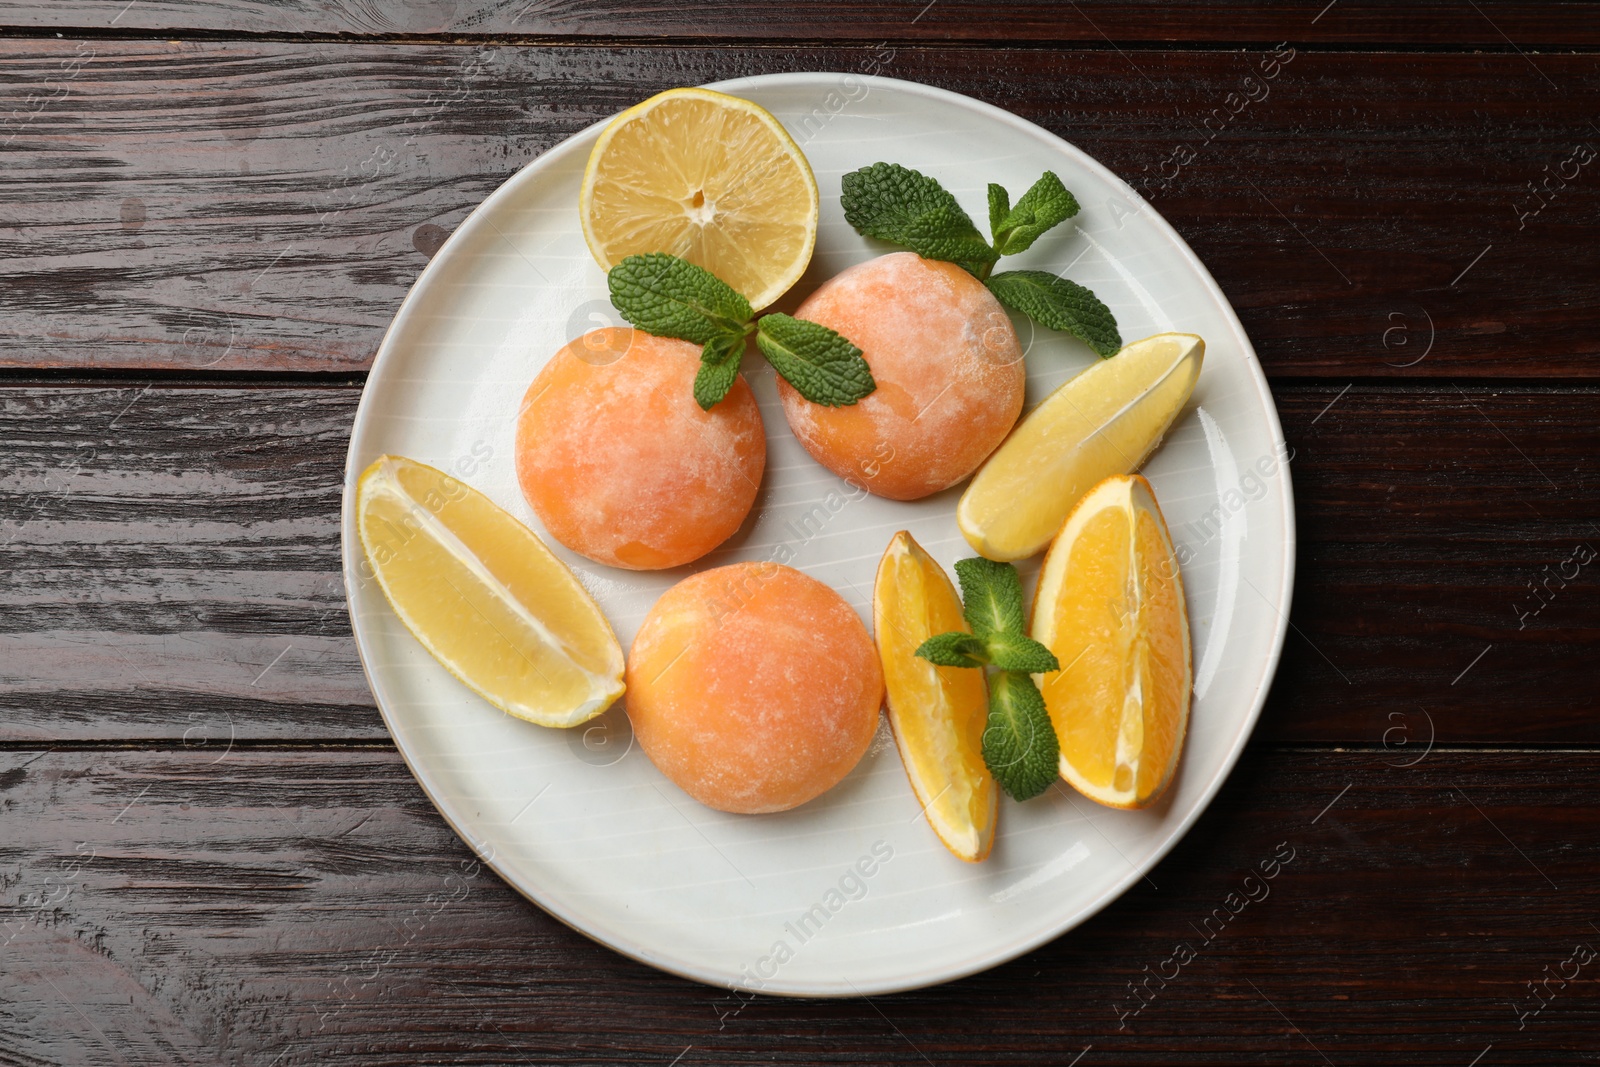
209	852
307	906
172	564
1437	526
1496	23
265	206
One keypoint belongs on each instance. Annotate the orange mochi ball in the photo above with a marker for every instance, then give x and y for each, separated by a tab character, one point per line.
753	687
622	465
949	372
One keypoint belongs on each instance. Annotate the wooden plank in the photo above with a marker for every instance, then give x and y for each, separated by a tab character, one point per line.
308	904
264	206
1447	541
172	565
1437	22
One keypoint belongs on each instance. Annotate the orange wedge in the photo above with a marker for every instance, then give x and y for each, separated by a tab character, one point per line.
937	713
1110	606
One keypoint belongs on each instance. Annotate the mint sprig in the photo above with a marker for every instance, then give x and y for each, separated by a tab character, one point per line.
905	207
667	296
1019	742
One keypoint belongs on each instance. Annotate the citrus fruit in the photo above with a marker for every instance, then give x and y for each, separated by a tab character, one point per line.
710	178
949	371
1105	421
484	595
622	465
938	713
753	687
1110	606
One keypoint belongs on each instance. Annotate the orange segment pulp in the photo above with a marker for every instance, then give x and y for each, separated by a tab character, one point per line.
1110	606
937	713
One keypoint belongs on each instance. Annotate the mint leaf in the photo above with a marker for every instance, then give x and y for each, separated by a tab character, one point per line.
884	199
999	208
950	236
904	207
719	369
712	382
1060	305
1045	205
1019	742
991	596
1015	652
821	364
671	297
954	649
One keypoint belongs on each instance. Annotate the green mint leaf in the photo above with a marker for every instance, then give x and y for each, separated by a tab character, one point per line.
1014	652
821	364
954	649
884	199
991	596
1060	305
671	297
1044	206
950	236
999	208
904	207
1019	742
719	368
712	382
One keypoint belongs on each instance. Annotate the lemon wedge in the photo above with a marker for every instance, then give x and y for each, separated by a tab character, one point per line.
485	596
937	713
1105	421
1110	606
710	178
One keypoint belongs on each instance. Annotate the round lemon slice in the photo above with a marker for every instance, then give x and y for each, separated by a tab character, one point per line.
1110	606
937	713
485	596
1105	421
710	178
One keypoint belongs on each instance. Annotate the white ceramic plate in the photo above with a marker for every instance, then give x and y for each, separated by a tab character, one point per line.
851	893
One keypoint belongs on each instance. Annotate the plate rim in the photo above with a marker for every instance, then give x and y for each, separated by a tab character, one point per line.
995	956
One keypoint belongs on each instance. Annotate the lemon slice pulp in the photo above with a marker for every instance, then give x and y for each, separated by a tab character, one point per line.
484	595
710	178
1105	421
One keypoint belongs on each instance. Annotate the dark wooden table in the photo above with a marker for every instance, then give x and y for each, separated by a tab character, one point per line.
210	851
